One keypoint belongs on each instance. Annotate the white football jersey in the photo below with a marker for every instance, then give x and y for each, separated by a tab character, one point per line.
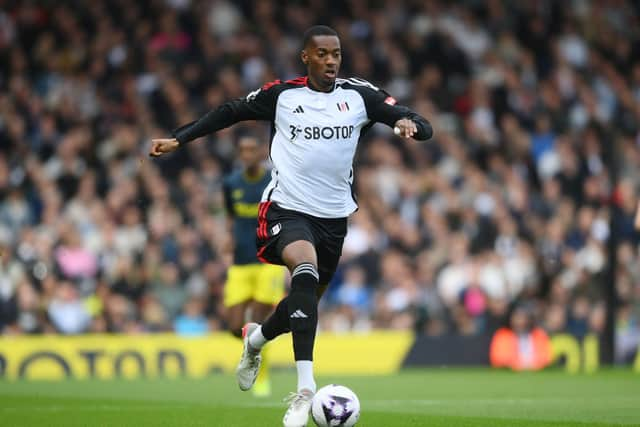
315	136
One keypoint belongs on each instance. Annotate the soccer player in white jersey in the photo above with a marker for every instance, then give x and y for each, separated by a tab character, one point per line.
317	121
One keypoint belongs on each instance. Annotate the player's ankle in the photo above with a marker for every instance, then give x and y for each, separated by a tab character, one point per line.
306	381
256	339
307	391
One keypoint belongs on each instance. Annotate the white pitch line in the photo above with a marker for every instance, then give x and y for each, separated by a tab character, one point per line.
373	404
400	402
444	402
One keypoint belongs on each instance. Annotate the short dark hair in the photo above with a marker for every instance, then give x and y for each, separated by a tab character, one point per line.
317	30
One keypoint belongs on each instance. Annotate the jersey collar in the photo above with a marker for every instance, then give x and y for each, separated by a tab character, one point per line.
307	83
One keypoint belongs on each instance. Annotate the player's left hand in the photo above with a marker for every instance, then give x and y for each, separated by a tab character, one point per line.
407	128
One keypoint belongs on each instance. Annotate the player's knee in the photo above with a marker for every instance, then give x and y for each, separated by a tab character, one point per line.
299	252
302	302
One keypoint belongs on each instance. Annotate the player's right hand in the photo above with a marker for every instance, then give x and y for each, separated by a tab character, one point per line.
161	146
406	128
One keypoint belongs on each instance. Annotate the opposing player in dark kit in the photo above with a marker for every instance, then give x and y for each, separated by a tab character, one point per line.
253	288
317	122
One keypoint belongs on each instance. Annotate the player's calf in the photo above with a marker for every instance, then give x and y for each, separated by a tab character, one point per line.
302	308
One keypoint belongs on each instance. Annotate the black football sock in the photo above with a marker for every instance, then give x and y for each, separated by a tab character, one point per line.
302	305
278	322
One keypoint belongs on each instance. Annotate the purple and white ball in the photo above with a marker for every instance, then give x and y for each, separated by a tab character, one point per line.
335	406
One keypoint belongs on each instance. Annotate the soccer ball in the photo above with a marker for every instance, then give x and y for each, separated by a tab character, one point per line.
335	406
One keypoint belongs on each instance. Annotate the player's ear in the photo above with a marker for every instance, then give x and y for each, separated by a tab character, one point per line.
304	57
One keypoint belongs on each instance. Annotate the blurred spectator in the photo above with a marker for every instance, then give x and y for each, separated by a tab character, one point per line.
169	291
523	346
354	292
192	321
67	311
72	258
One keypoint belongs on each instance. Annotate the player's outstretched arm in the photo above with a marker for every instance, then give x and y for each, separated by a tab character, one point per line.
381	107
258	105
405	122
407	128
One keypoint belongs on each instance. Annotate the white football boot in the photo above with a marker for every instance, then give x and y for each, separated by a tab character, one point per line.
299	406
247	370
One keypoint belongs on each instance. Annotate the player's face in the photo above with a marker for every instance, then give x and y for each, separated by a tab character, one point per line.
323	56
249	152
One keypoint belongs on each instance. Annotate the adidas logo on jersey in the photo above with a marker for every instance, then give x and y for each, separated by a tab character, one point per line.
299	314
299	109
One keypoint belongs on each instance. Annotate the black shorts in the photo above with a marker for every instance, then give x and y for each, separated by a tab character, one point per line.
277	227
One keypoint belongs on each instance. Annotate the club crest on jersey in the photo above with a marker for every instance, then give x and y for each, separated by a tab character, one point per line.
342	106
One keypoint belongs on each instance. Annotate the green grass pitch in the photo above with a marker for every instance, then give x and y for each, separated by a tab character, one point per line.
446	398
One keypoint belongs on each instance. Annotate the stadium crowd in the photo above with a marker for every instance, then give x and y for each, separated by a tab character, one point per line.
508	205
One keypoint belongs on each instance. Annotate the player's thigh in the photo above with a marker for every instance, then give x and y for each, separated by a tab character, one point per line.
331	237
240	284
277	229
270	284
299	252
